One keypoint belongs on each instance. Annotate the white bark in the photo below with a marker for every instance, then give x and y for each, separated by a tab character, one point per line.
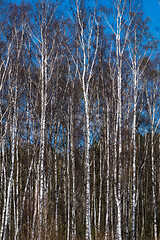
13	92
17	187
56	194
35	209
119	113
153	186
73	172
68	177
100	190
85	77
42	135
134	153
4	187
88	210
151	110
65	189
94	194
108	167
10	184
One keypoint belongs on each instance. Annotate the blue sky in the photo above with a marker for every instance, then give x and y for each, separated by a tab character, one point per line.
151	9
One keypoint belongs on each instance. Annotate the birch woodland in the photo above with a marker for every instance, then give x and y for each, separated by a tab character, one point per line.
79	122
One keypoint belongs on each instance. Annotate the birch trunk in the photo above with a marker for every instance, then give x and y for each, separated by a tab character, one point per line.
119	117
153	183
119	110
151	110
100	189
10	183
73	172
56	195
17	186
44	83
85	75
94	195
68	178
42	144
88	210
4	187
108	167
35	209
134	149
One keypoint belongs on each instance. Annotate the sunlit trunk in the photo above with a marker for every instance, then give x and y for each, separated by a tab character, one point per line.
108	167
73	172
134	148
13	145
68	177
87	163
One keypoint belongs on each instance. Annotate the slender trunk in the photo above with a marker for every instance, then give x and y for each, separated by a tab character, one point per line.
100	190
108	166
134	153
117	179
4	187
85	77
118	197
73	174
65	189
14	208
153	185
56	196
44	82
24	196
10	184
28	153
94	194
152	110
88	210
13	144
68	178
41	152
119	121
17	189
35	209
119	202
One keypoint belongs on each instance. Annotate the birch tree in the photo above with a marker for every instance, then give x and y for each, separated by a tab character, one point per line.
86	37
137	52
152	95
12	69
79	123
47	58
120	44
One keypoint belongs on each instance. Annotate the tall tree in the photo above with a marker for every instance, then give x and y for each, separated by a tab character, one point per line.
87	35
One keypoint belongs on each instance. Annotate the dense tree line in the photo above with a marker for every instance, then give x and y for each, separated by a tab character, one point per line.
79	122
